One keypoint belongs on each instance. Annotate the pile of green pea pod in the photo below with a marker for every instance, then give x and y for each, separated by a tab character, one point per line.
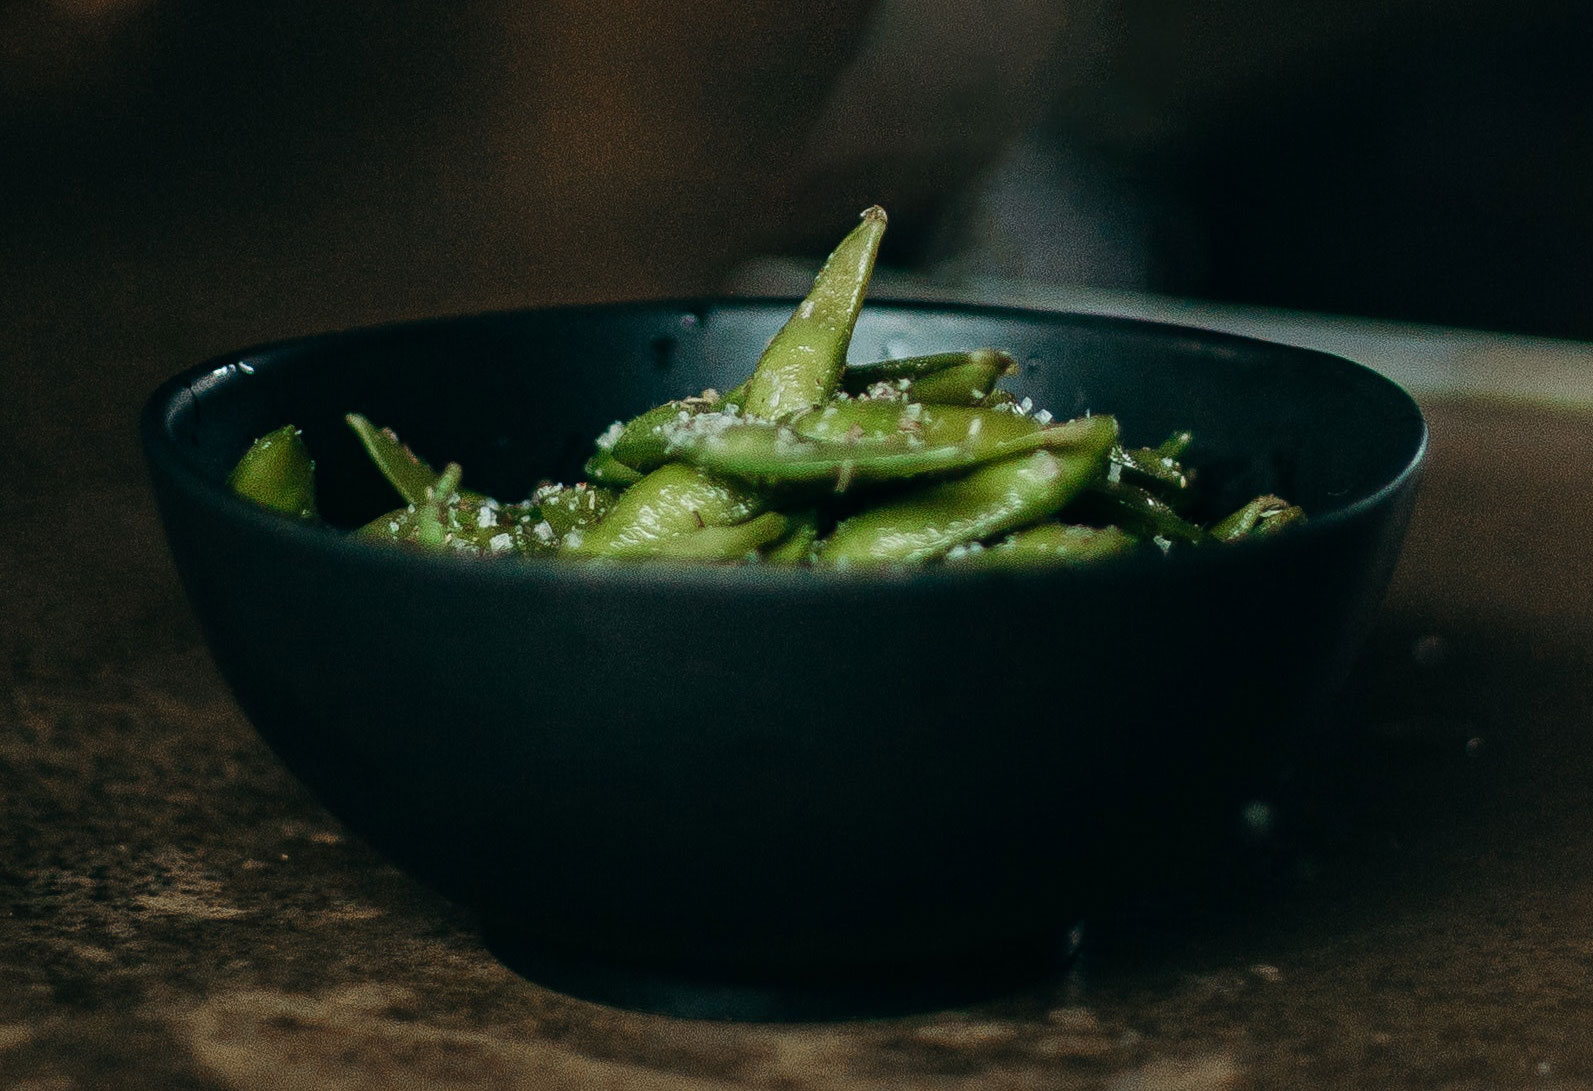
811	462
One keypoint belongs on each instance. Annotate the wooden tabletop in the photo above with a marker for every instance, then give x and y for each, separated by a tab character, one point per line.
176	912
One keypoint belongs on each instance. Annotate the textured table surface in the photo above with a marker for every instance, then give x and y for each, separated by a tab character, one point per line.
175	912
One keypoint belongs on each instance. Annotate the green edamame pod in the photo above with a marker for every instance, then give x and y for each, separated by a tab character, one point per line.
404	469
448	517
740	542
855	443
732	400
643	444
1175	446
966	384
942	378
927	522
606	470
1142	512
576	507
672	501
277	472
1262	516
393	526
640	443
431	514
1161	473
512	529
1046	544
803	362
802	530
862	422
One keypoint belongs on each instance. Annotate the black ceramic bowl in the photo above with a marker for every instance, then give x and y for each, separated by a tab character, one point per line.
774	777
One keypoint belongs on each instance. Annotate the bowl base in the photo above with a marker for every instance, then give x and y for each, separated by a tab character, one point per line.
819	999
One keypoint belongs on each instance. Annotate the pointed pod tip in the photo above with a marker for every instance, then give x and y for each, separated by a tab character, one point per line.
874	212
1001	358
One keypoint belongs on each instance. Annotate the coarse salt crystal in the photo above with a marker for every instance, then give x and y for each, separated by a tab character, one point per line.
787	442
499	543
611	436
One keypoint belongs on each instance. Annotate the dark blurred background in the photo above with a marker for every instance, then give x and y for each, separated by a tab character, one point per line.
302	164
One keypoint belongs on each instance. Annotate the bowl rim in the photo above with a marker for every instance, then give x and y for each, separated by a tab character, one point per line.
165	456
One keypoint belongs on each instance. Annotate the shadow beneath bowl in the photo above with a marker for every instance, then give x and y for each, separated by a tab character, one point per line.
1024	967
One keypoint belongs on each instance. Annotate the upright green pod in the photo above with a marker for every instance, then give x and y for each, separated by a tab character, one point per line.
802	365
408	473
405	471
